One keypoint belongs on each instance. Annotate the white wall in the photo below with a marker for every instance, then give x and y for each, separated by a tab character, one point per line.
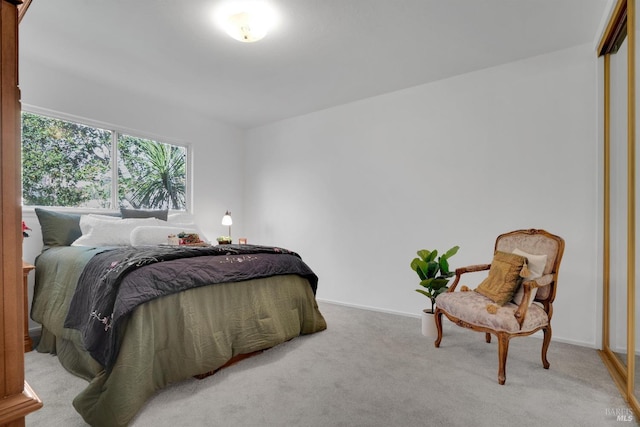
357	189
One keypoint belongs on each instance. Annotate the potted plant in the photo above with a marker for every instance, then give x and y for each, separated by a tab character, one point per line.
224	240
434	274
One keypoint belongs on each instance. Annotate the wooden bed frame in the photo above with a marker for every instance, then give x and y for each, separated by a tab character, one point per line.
235	359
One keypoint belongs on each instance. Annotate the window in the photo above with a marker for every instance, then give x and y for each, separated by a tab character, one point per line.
69	164
151	174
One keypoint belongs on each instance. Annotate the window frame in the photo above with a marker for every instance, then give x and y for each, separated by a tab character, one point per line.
116	131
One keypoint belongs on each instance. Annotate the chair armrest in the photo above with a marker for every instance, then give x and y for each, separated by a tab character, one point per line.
521	311
528	287
543	281
472	268
469	269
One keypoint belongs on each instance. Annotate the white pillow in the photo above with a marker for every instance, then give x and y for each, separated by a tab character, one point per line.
535	264
101	231
180	218
156	235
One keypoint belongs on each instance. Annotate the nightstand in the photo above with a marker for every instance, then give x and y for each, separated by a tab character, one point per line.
26	268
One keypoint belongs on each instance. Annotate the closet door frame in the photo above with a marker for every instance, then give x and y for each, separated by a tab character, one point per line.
621	25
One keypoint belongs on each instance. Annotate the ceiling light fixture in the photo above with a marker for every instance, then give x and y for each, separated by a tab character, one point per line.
246	21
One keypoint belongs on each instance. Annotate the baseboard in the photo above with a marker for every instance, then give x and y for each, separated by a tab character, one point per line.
365	307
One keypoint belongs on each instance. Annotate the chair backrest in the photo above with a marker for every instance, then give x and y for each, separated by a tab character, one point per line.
536	242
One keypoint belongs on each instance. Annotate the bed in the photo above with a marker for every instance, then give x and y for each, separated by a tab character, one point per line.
168	333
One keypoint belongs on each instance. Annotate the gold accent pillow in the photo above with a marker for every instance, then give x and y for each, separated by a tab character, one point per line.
504	277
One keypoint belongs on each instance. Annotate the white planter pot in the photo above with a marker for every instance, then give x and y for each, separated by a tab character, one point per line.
429	324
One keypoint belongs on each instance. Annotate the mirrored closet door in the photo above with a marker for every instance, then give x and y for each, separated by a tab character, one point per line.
618	50
618	203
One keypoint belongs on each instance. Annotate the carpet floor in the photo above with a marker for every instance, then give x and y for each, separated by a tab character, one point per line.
369	369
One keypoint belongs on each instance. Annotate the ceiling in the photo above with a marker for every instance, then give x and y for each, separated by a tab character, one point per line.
323	53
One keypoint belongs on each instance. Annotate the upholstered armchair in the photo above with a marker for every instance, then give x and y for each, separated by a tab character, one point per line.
516	299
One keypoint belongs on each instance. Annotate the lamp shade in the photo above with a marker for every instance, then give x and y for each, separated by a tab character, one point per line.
226	219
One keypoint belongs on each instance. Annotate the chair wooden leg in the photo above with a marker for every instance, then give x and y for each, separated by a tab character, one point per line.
503	349
438	319
545	346
487	337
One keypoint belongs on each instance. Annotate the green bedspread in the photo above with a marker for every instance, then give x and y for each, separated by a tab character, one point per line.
168	339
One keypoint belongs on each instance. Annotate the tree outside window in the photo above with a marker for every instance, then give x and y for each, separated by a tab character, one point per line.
67	164
151	174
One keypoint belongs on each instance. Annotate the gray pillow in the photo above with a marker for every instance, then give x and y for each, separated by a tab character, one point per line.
58	229
142	213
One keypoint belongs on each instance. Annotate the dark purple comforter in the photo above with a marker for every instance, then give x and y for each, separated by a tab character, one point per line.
104	295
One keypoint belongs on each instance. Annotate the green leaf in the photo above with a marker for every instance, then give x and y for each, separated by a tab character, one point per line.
420	268
444	265
427	283
431	269
451	252
439	284
432	255
424	254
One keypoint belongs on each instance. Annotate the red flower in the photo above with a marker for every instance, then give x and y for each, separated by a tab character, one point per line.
25	228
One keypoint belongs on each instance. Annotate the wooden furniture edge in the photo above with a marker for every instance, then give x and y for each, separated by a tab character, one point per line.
235	359
26	269
18	406
23	5
17	398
